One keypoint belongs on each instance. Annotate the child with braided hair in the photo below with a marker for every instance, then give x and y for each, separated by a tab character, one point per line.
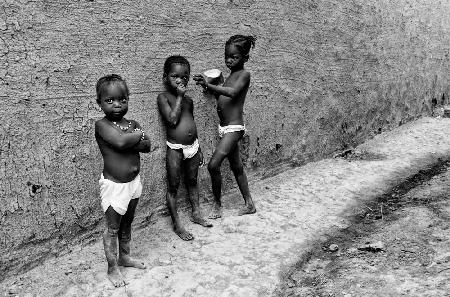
230	104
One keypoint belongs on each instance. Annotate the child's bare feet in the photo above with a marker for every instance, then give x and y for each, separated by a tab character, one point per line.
183	233
128	261
116	277
216	212
247	209
198	219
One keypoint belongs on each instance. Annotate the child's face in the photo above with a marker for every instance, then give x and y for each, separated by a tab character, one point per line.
234	58
178	74
114	101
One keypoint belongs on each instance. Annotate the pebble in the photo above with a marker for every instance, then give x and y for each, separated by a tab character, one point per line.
444	258
333	247
13	290
165	260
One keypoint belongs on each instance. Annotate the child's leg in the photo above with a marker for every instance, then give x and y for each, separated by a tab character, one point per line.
225	146
190	179
125	238
110	246
241	178
173	167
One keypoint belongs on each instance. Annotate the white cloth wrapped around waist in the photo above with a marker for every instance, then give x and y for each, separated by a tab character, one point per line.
230	128
118	195
189	150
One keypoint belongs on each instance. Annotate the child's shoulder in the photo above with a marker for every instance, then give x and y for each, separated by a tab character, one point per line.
100	122
101	125
165	95
244	73
241	74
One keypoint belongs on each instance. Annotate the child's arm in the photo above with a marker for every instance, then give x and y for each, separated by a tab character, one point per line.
230	91
115	138
144	145
171	114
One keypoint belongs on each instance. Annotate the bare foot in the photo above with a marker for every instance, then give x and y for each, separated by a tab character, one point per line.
127	261
185	235
248	209
198	219
216	212
116	277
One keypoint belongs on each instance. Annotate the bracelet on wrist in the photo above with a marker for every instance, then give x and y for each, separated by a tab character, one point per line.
142	131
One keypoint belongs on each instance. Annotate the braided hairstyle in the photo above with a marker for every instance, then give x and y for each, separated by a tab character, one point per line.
243	42
107	80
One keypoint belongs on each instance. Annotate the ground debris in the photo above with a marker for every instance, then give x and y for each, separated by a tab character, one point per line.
372	247
333	247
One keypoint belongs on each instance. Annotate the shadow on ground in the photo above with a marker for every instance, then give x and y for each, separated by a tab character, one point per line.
396	245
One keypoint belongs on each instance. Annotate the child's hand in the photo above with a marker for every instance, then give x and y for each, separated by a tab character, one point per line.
181	89
202	159
200	80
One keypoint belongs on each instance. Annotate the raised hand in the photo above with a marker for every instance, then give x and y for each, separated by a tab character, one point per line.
200	80
181	89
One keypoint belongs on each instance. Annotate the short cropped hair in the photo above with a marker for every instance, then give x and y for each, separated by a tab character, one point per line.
110	79
175	59
242	42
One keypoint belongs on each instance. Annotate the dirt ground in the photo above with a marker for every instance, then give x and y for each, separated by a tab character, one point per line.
397	245
371	222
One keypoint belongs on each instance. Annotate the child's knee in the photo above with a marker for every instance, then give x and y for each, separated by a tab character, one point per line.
172	184
191	181
125	235
237	169
213	168
172	189
112	231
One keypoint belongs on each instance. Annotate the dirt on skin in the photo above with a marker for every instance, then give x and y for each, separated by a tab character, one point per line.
398	245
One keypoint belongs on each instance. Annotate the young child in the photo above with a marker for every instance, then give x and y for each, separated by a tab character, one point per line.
120	141
183	150
230	104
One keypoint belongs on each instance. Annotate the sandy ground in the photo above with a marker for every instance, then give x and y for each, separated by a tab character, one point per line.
251	255
397	245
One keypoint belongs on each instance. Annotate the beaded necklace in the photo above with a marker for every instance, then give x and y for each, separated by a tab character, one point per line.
122	128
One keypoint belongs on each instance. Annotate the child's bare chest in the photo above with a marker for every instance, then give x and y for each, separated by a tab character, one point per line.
230	80
173	102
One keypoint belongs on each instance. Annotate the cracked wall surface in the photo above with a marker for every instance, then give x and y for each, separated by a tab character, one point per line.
326	75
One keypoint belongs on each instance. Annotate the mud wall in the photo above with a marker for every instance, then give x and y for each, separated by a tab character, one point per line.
325	76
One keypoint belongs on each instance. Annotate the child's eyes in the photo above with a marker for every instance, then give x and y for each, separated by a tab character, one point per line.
183	77
123	100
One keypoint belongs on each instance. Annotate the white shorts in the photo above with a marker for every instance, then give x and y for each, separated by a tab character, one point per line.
118	195
189	150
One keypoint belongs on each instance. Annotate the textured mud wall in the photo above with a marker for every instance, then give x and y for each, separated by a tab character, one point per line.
325	76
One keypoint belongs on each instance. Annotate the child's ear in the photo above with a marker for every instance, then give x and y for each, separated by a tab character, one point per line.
246	57
164	78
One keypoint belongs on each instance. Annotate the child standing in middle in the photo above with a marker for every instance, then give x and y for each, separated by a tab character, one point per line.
183	151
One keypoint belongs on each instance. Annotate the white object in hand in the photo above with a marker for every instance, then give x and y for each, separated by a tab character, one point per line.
213	76
212	73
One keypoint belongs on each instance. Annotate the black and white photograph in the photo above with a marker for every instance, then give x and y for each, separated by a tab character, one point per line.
224	148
